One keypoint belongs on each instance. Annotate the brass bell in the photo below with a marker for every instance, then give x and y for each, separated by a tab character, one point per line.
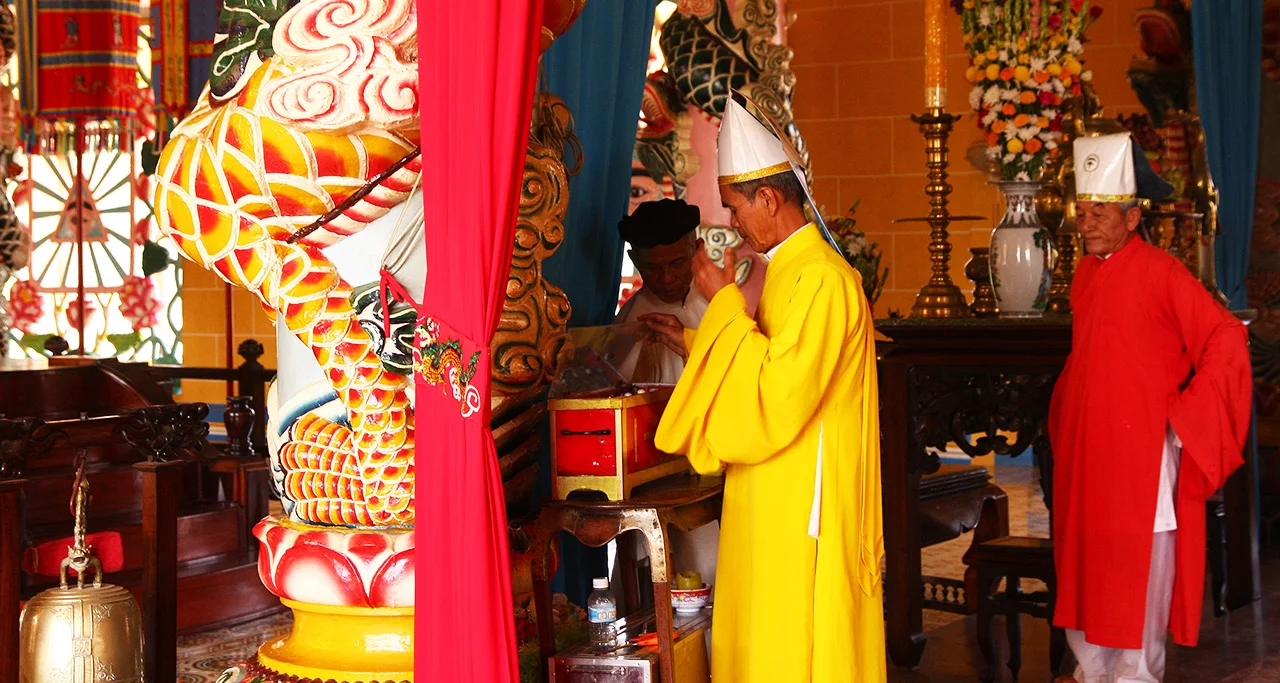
81	634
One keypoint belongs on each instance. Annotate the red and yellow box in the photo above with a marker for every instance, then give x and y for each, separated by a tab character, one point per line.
606	444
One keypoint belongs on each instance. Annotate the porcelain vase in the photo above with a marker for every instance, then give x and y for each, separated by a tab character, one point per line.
1021	256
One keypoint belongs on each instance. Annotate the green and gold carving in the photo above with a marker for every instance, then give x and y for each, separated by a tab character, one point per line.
710	52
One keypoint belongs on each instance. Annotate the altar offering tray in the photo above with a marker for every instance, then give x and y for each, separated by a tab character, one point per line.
631	663
604	442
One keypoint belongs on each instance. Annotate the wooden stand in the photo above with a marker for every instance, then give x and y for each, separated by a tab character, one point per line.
683	502
10	576
1013	558
160	484
935	372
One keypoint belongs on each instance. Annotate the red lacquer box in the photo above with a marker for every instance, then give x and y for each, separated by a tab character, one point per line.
606	444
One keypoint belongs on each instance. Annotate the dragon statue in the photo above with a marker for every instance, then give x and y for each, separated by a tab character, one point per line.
297	178
711	51
307	139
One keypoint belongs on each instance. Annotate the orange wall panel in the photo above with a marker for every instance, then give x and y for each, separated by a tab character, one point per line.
860	75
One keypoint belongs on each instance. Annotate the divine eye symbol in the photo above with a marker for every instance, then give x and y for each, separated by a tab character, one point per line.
1091	163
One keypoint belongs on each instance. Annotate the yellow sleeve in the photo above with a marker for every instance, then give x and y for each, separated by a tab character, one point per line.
743	396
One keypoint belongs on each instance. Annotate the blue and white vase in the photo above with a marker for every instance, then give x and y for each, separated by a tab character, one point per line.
1021	254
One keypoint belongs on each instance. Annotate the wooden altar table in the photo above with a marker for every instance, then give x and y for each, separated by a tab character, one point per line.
683	502
944	380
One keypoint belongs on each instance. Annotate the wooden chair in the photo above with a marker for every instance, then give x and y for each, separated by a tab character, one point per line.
1013	558
955	500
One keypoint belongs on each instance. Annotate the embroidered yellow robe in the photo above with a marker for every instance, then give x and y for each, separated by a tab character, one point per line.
762	399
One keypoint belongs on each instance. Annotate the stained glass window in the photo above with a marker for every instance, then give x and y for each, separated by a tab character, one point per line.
92	234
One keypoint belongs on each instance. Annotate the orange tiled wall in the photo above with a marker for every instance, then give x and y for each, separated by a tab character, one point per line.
205	330
860	73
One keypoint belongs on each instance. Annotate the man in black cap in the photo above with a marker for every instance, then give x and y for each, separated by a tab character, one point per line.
663	242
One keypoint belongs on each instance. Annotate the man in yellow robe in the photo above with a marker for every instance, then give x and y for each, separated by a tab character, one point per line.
787	405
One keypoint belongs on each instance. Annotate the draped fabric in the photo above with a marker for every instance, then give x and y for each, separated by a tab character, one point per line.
598	68
181	52
79	71
476	63
1227	38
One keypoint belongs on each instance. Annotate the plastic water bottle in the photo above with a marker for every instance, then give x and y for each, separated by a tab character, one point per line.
602	611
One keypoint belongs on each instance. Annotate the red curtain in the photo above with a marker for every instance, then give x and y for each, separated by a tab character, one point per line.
476	66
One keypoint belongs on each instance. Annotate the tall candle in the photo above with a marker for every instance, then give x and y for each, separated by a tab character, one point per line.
935	47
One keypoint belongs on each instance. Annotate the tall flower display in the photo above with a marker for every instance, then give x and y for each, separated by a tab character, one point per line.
1025	61
861	253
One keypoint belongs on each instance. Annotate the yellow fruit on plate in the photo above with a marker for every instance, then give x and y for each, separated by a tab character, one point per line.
688	581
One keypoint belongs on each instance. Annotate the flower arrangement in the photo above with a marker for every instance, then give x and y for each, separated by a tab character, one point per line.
1025	60
862	254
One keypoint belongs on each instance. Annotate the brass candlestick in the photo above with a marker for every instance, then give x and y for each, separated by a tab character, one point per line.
940	298
1058	214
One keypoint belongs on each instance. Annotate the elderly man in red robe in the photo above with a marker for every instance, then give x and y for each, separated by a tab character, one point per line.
1148	419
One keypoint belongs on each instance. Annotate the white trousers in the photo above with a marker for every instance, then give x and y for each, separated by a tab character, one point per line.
1098	664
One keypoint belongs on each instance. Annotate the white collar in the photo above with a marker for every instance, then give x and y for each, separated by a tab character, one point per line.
768	256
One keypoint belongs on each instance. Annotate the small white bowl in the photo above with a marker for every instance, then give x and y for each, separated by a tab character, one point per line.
690	601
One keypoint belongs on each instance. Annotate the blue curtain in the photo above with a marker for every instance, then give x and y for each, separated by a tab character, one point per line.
1227	38
598	68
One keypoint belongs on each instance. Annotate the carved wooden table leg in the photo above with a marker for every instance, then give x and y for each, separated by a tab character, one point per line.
904	591
160	485
540	568
628	574
1013	623
654	527
10	575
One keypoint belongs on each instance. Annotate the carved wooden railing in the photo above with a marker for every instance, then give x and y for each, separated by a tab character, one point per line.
246	408
247	389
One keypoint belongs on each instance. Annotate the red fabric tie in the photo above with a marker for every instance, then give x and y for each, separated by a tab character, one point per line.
390	289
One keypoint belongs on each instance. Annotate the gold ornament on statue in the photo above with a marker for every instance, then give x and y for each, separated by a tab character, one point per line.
531	342
81	634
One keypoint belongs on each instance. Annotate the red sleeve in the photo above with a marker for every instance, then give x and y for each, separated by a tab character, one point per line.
1211	413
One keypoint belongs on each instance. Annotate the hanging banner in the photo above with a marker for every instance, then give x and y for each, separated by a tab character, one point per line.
182	34
79	61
